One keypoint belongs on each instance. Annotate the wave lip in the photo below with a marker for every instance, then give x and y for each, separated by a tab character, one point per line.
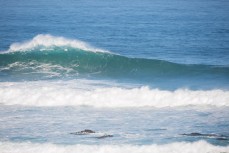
47	41
178	147
54	94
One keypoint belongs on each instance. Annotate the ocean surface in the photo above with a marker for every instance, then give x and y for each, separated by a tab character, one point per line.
96	76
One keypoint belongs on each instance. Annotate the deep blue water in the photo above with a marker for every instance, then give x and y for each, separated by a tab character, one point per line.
149	72
179	31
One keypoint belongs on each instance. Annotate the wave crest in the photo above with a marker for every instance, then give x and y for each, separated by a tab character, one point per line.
47	40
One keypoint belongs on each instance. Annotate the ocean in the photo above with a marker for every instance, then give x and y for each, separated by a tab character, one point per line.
96	76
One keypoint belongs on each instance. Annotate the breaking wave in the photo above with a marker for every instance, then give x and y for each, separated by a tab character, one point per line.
43	93
46	56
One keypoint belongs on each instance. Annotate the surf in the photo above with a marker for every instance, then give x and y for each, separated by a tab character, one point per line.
195	147
84	93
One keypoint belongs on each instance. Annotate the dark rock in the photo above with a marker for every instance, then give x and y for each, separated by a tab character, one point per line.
222	139
84	132
200	134
88	131
215	136
192	134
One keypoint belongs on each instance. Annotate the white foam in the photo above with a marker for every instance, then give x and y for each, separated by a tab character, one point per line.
181	147
32	67
45	93
46	41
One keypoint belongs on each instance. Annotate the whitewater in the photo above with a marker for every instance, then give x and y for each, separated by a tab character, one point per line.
47	40
43	93
175	147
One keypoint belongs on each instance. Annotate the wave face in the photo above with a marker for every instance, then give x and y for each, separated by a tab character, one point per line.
181	147
44	93
46	56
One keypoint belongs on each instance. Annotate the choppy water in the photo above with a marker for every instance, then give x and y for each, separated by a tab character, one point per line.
150	76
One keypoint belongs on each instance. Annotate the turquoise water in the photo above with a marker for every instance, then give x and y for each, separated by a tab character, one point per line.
76	63
146	76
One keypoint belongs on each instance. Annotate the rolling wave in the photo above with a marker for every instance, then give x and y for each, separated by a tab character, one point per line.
46	56
75	62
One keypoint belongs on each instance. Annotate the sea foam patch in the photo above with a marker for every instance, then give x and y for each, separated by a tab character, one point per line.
43	93
181	147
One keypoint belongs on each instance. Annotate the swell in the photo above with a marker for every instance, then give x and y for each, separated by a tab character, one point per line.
68	61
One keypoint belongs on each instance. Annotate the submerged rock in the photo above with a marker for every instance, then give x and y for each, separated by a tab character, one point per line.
215	136
200	134
104	136
222	139
87	132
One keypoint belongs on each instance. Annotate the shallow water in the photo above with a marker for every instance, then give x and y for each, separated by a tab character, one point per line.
135	126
